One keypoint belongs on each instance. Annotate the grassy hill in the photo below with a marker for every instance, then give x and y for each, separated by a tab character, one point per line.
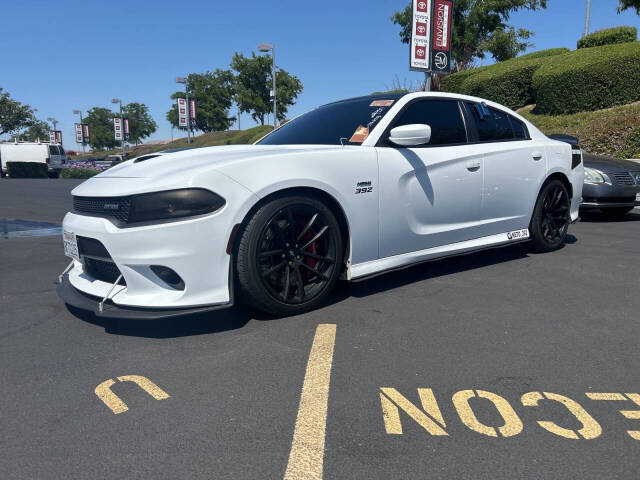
602	132
230	137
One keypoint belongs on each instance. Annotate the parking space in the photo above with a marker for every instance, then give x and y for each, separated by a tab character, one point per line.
491	365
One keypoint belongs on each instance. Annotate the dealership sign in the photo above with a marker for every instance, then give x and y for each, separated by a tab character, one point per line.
117	128
125	128
192	113
55	136
78	133
85	133
430	47
182	112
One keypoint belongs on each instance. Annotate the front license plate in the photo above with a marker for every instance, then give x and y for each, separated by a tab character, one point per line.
70	245
637	197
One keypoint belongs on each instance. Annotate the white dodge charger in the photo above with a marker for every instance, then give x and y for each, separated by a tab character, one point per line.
348	190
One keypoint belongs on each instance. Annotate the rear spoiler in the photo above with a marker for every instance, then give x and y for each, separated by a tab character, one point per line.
576	151
573	141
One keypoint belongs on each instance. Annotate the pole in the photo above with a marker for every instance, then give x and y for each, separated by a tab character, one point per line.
588	18
238	118
427	81
275	115
122	129
186	92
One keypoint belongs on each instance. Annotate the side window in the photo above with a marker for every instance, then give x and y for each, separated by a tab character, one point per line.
443	116
493	127
519	129
53	150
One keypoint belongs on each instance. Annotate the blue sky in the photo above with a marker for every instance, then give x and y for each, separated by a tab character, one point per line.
65	55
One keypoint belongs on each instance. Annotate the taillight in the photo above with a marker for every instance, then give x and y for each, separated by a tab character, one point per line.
48	160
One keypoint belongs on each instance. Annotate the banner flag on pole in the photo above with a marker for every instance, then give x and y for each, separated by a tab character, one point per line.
78	133
182	112
117	128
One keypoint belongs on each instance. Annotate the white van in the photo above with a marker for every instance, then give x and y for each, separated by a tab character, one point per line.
51	154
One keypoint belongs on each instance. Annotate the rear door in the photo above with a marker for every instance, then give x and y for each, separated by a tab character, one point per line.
429	195
55	157
514	167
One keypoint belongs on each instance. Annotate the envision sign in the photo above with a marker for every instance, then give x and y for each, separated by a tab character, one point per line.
431	36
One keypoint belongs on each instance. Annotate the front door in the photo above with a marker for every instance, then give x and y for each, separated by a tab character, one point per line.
429	195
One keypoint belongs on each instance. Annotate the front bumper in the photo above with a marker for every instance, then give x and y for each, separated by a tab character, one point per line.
75	298
604	195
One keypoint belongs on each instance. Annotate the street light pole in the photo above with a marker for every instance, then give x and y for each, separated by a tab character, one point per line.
54	121
186	94
117	100
588	18
265	47
79	112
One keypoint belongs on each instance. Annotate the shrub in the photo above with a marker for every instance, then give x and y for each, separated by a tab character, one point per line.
453	83
588	79
550	52
507	83
28	170
249	136
631	148
456	81
79	172
609	36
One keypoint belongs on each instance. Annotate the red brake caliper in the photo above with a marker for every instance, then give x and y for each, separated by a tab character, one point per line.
311	248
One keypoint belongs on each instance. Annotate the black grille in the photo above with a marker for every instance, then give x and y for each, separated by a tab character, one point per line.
116	207
623	178
102	270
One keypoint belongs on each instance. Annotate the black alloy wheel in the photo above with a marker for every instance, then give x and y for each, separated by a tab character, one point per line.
290	255
551	217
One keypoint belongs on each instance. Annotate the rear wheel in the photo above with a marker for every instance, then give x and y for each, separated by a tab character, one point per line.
289	256
551	218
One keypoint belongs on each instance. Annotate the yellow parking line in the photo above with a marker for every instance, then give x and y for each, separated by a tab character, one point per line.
307	449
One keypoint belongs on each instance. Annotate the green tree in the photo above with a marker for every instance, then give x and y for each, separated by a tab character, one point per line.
480	28
213	92
624	4
100	121
14	116
141	125
253	83
36	130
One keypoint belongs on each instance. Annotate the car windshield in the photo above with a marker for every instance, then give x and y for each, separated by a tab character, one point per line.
347	122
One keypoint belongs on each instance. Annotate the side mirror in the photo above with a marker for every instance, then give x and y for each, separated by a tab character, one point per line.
411	135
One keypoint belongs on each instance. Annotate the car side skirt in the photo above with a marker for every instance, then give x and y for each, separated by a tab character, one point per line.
373	268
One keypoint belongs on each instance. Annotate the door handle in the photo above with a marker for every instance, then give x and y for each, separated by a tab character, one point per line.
536	155
473	165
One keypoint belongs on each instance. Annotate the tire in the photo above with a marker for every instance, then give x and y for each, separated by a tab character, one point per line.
616	212
289	256
551	217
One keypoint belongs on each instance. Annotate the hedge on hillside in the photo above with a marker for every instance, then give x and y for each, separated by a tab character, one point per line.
550	52
631	148
588	79
508	83
453	83
609	36
28	170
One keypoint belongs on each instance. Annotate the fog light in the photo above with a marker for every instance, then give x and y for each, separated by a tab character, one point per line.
168	276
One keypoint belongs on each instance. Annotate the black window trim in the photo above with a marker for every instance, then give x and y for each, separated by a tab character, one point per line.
383	140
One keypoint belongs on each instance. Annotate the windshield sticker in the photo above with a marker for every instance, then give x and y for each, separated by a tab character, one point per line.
382	103
359	135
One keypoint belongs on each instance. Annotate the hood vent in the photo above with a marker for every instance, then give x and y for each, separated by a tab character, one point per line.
145	157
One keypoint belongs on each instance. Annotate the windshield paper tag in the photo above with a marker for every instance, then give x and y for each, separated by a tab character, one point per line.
381	103
359	135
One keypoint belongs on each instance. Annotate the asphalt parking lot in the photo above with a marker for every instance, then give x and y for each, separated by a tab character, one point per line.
492	365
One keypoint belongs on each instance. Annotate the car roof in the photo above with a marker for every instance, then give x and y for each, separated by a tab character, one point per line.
375	96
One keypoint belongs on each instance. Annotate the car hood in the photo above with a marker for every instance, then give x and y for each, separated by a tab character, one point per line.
178	163
609	164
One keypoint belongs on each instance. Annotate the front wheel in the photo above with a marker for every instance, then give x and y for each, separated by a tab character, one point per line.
550	221
289	256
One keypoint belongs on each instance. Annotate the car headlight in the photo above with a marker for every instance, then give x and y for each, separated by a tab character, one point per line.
172	204
592	176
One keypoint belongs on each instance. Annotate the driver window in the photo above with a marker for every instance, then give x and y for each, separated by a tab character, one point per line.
443	116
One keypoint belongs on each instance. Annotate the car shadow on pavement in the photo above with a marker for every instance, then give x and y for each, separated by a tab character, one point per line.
183	326
436	268
633	216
